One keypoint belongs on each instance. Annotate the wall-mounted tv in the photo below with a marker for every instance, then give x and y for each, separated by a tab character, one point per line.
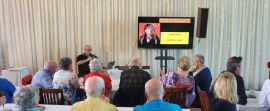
165	32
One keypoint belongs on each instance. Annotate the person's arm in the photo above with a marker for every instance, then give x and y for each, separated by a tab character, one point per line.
76	81
10	88
264	96
2	100
46	82
80	62
241	91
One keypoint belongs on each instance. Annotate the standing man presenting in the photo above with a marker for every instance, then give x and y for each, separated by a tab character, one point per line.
83	60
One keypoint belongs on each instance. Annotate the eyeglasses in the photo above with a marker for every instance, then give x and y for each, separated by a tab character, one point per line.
88	49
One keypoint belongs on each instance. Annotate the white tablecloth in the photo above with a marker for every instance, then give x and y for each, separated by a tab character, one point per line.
252	105
66	108
47	107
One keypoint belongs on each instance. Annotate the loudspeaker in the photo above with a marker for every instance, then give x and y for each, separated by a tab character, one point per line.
202	22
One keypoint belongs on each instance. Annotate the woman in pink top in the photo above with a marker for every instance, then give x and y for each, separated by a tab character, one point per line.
181	79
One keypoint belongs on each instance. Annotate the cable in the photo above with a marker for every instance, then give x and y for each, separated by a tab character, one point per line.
133	50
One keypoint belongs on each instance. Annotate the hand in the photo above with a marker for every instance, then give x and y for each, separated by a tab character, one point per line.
193	69
162	72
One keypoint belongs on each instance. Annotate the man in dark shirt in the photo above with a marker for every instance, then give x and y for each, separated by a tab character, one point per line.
203	77
234	66
83	60
131	87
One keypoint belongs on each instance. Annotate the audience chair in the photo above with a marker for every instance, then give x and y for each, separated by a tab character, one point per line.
27	79
51	96
203	99
176	95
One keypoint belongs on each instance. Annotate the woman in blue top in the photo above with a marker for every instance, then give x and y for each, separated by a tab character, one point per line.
7	88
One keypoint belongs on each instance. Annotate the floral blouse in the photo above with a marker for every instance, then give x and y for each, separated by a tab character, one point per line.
172	79
65	80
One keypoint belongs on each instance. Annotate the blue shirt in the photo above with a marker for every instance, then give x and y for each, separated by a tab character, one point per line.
43	79
7	88
157	105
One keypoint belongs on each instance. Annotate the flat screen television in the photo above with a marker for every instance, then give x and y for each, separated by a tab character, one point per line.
165	32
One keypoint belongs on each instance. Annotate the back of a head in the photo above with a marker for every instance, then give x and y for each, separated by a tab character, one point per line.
135	62
184	63
200	58
233	63
26	97
50	65
226	87
65	63
95	65
94	86
154	88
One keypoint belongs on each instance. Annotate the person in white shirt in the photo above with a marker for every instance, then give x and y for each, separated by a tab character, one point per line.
264	97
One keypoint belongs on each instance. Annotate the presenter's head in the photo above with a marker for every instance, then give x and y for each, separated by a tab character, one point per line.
87	50
149	30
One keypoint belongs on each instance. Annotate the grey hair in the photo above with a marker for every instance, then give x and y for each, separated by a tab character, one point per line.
26	97
135	62
200	57
97	88
94	65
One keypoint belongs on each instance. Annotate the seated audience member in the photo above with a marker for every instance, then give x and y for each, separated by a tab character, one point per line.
202	76
264	97
44	77
27	99
154	93
234	66
225	90
82	61
131	86
7	88
95	68
94	87
65	79
181	79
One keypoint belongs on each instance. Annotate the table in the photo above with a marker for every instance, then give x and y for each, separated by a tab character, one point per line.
47	107
15	75
66	108
252	105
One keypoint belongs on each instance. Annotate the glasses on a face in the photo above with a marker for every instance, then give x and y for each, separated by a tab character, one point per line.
88	49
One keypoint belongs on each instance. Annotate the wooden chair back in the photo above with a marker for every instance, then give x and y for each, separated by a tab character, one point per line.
203	99
176	95
51	96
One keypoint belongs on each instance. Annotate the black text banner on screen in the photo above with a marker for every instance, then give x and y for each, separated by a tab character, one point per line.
165	32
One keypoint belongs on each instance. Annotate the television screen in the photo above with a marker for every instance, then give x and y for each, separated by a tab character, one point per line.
165	32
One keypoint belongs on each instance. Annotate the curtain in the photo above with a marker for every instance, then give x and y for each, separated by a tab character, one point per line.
33	31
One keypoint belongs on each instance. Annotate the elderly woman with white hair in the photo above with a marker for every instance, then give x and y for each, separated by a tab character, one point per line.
96	70
66	80
27	98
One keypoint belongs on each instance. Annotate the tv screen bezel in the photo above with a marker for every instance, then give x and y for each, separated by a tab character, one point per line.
171	46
